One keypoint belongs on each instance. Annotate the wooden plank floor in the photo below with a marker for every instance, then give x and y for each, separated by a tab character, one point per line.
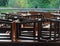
29	44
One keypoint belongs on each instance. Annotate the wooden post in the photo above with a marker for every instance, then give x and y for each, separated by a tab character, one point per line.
13	32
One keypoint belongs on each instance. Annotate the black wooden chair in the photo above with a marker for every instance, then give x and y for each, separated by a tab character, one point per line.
26	30
51	34
5	30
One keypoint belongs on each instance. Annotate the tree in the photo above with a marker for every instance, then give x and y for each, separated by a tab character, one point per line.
3	2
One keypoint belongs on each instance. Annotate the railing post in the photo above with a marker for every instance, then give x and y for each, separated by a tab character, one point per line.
13	32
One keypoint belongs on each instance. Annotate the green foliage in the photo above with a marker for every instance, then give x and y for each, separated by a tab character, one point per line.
31	3
3	2
28	4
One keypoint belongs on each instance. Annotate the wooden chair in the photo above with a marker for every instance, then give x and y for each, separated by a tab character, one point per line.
26	30
5	31
49	34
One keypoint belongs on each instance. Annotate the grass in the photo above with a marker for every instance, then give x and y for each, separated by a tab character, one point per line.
3	11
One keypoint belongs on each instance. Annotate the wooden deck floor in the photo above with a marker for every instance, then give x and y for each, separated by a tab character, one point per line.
29	43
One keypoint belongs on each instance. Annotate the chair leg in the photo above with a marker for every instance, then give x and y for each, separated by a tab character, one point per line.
39	30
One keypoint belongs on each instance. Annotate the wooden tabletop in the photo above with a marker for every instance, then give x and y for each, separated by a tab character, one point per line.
55	14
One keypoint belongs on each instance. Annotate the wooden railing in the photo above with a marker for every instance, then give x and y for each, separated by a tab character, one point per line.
37	29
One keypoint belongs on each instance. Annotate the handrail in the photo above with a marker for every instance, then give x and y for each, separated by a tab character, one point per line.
33	9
